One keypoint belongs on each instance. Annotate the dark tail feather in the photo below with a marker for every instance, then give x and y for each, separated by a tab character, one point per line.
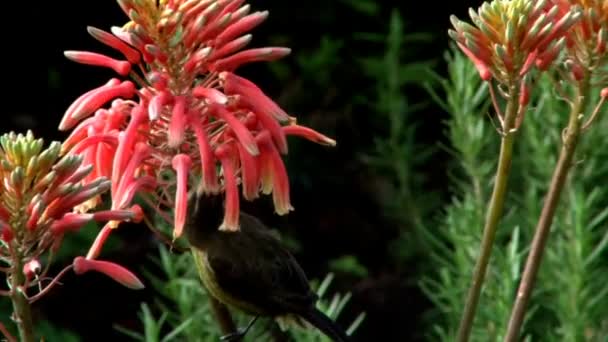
326	325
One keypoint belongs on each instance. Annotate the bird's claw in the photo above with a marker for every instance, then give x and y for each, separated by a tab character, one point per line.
235	336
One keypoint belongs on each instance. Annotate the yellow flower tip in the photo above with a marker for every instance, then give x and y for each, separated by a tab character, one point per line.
86	206
231	228
128	25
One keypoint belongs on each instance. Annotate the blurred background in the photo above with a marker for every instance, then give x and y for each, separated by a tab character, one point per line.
361	71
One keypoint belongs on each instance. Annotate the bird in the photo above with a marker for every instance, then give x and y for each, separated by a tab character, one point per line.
251	270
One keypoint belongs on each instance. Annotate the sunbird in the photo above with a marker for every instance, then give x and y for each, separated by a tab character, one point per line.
250	270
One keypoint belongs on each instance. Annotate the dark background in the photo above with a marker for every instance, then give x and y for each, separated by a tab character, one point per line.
337	198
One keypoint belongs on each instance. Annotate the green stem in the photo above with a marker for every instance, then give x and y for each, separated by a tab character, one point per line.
548	212
220	311
494	213
21	307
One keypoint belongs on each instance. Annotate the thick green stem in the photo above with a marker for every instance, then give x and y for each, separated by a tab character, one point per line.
494	214
220	311
21	307
543	227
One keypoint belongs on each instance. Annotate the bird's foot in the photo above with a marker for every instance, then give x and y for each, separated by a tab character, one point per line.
235	336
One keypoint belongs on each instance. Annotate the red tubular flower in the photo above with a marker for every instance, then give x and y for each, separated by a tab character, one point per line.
107	38
112	270
189	105
231	217
181	164
275	170
121	67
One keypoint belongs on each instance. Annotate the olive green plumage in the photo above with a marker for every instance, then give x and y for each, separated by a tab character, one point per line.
251	270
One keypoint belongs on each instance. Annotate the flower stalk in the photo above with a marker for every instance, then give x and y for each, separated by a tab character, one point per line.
21	307
585	60
494	213
558	181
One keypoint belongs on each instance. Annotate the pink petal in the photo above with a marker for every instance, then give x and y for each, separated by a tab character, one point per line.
6	232
65	204
275	130
112	41
265	163
156	52
231	7
70	222
181	164
231	215
213	27
158	80
248	56
249	174
141	184
32	221
177	126
68	121
528	63
126	143
89	105
157	103
309	134
280	180
205	9
230	47
104	159
209	182
5	215
205	20
193	29
100	240
84	144
482	67
242	133
210	94
77	134
243	25
140	153
79	175
112	270
252	96
196	59
113	215
91	58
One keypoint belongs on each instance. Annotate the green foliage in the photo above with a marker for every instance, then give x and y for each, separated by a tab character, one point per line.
398	153
349	265
182	309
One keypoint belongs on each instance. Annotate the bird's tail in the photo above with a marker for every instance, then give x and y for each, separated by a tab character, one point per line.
326	325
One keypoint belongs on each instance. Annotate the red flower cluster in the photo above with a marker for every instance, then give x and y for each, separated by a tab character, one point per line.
184	113
587	41
510	37
38	194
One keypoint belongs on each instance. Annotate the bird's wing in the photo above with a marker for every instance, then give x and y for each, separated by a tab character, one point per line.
260	271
